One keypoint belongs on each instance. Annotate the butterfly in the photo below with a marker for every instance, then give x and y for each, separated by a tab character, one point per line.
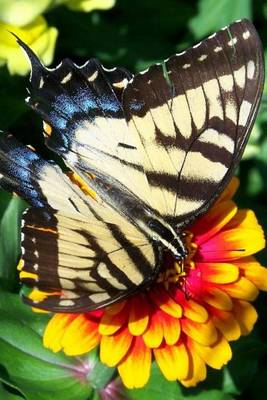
156	149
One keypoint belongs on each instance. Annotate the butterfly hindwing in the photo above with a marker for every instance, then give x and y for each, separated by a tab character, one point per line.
73	245
83	266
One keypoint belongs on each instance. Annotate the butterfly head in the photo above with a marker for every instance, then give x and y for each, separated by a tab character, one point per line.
163	234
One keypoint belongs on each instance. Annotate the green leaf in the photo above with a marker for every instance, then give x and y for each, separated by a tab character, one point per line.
212	394
259	388
6	395
100	374
213	15
11	208
157	388
37	372
243	367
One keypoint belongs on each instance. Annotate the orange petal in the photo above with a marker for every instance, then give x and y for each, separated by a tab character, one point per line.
235	241
218	272
134	369
195	311
55	330
205	334
245	219
153	336
80	337
212	222
254	272
173	361
114	347
197	369
243	289
246	316
171	328
139	315
115	308
216	355
163	300
227	324
217	298
110	323
229	191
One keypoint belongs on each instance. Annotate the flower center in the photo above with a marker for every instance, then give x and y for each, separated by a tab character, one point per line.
173	271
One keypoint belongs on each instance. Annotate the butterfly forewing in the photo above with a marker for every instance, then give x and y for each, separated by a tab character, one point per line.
195	123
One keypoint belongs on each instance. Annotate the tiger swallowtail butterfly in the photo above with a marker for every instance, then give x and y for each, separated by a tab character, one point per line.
156	148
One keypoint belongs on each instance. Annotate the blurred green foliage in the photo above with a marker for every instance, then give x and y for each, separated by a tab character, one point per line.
133	34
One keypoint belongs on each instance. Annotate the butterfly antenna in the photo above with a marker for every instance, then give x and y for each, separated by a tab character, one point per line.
168	80
231	39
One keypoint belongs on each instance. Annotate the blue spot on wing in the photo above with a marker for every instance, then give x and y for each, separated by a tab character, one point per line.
136	105
109	103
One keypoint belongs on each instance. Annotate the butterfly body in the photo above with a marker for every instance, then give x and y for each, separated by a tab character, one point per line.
156	149
158	231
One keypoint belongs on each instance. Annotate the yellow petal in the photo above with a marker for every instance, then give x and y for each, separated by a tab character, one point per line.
182	364
214	221
197	369
22	12
173	361
113	348
217	298
89	5
163	300
246	315
218	272
195	311
110	324
205	334
171	329
254	272
55	330
227	324
243	289
240	231
217	355
153	336
80	337
37	35
134	369
139	315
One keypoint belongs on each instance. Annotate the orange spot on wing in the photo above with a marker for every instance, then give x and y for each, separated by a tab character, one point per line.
47	128
41	228
77	180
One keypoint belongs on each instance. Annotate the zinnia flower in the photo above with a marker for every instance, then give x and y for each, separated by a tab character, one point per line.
186	320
